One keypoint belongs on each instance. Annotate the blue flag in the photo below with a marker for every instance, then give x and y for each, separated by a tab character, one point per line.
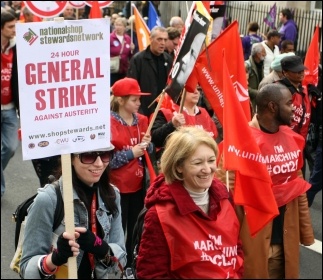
153	18
271	17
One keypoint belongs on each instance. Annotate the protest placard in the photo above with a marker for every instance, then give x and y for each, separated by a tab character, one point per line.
64	94
64	86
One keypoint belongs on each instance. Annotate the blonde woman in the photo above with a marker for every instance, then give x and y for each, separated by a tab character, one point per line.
190	225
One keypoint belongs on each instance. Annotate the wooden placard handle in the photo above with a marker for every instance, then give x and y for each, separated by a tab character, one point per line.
69	208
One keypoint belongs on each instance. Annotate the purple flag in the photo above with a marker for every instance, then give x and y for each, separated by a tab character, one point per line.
271	17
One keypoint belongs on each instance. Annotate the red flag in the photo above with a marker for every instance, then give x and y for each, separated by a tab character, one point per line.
209	70
37	19
253	185
168	103
21	16
152	174
95	11
192	81
207	5
312	60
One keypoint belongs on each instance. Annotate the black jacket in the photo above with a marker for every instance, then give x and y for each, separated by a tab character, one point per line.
143	69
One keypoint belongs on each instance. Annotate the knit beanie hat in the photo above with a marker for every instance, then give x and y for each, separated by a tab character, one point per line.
275	65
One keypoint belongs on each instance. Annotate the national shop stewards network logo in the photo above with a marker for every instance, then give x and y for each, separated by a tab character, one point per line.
61	35
30	36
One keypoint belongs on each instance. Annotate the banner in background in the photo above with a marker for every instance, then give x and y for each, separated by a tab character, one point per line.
187	55
217	12
271	17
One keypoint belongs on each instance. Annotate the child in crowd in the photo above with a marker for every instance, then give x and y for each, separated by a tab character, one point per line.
128	130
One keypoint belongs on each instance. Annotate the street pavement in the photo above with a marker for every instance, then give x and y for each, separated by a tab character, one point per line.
22	182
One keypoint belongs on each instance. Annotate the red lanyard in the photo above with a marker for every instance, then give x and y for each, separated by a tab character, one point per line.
93	228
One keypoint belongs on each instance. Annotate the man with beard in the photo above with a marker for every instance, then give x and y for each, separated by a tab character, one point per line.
278	254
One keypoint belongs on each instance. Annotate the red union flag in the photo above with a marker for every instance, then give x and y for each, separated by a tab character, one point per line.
95	11
209	67
312	60
253	185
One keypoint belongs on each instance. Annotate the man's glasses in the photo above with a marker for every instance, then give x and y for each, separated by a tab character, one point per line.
89	158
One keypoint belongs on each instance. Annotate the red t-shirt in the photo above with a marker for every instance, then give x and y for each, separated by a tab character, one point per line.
6	69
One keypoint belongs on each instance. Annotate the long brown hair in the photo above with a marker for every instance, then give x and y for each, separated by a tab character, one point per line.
106	190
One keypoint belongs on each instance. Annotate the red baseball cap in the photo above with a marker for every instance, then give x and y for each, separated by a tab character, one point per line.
127	86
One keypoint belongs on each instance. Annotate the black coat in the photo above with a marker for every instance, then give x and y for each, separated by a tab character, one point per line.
143	69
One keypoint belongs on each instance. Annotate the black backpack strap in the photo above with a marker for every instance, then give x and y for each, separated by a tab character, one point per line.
136	238
19	216
59	210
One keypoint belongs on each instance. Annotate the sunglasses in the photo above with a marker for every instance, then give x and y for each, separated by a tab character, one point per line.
89	158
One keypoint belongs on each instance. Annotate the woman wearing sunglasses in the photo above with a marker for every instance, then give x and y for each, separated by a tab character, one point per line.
98	241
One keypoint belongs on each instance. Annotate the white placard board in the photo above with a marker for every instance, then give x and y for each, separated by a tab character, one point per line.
64	86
